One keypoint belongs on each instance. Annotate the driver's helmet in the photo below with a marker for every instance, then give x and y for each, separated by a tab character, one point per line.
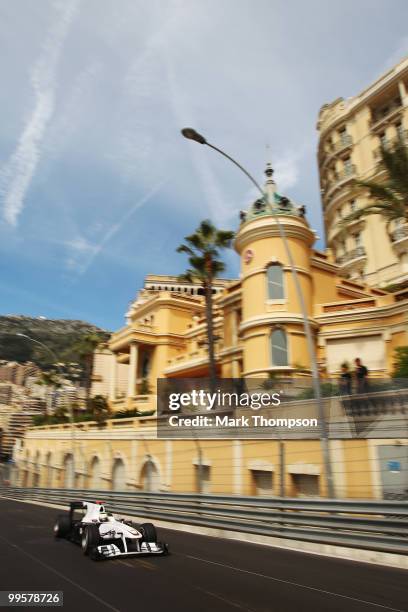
106	517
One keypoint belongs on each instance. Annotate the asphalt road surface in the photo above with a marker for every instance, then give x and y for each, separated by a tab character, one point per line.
201	574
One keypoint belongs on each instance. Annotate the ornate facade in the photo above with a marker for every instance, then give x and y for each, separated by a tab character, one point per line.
259	327
350	134
258	318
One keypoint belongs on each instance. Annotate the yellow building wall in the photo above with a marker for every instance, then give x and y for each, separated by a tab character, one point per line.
231	464
358	469
324	286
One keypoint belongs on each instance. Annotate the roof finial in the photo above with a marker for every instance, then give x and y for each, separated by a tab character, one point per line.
269	170
270	186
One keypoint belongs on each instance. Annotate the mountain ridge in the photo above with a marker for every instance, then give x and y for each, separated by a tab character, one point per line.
61	336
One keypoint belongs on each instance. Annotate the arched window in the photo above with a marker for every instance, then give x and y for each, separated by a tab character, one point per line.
95	474
118	475
274	275
279	347
48	470
150	477
145	366
36	470
69	472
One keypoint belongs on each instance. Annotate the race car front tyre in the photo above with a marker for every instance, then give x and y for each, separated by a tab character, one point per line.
149	532
62	526
90	538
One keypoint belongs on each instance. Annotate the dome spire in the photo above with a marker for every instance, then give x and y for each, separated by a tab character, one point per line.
269	170
270	185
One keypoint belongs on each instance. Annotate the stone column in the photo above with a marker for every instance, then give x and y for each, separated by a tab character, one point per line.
237	464
112	379
134	350
403	93
234	327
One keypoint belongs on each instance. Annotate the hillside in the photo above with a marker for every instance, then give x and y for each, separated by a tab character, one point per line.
62	336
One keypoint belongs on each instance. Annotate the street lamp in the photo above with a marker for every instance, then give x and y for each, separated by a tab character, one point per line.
192	134
61	372
47	348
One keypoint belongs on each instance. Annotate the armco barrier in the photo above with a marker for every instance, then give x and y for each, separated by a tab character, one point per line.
372	525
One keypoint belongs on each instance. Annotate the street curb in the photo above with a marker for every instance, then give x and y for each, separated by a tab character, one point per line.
323	550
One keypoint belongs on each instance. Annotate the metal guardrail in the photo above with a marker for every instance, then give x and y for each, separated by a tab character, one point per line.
373	525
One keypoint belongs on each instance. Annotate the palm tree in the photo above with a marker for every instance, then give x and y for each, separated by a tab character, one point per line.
99	407
202	249
391	196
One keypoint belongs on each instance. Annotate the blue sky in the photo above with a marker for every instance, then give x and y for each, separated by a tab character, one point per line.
97	188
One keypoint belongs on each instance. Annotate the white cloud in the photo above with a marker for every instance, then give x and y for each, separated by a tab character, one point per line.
80	245
16	176
286	171
400	52
91	251
98	124
67	122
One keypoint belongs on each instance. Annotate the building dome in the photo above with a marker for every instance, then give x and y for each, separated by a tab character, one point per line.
271	203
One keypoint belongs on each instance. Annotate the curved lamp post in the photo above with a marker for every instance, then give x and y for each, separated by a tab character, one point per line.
192	134
71	415
44	346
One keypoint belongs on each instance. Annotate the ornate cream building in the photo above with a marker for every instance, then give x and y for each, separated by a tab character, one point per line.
259	328
350	133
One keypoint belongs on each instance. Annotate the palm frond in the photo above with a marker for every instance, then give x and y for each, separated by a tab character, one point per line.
384	209
217	267
195	240
203	248
198	263
389	197
188	277
207	229
379	191
395	161
224	238
183	248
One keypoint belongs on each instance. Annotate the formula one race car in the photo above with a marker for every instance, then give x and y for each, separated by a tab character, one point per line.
102	536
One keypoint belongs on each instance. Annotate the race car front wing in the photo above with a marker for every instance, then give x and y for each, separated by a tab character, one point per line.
106	551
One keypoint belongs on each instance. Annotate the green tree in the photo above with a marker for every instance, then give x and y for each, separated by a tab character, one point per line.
144	387
99	407
390	197
203	250
50	378
401	362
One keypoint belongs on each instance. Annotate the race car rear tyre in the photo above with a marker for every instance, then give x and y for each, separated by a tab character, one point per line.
90	538
62	526
149	532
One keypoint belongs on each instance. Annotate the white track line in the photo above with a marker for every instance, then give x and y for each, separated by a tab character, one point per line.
296	584
54	571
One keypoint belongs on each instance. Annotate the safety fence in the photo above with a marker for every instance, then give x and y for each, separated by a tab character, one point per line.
373	525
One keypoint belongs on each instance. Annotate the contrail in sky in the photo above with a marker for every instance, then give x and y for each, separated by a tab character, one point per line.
16	176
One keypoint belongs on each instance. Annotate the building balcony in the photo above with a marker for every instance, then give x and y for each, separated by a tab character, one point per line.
338	228
341	179
353	260
389	143
141	426
379	122
399	239
345	142
341	145
187	362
